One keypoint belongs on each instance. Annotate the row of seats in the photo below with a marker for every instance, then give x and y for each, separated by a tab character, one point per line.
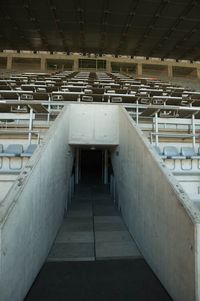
87	83
98	96
171	152
16	150
101	87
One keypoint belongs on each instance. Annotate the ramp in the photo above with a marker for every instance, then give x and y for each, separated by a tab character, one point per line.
93	229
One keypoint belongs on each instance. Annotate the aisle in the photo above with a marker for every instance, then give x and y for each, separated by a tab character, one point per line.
94	258
93	229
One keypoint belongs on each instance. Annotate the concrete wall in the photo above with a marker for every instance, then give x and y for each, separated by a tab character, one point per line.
25	64
94	124
187	83
158	213
137	62
32	212
197	251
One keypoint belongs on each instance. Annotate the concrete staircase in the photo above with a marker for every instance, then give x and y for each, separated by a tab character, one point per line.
93	229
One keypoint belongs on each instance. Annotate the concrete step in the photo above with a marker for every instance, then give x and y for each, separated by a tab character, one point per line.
93	229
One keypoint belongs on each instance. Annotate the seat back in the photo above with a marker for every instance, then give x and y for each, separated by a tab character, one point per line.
14	149
87	98
170	151
116	99
188	152
31	148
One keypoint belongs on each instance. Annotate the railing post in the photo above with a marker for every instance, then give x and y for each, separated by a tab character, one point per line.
193	131
30	126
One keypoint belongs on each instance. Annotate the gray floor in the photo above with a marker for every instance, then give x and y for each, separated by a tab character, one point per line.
93	229
78	269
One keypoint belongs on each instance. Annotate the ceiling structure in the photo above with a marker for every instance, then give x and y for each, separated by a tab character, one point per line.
150	28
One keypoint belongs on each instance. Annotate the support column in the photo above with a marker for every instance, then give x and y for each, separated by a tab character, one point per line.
170	71
9	62
106	166
43	64
198	73
139	69
108	67
156	127
77	166
76	65
30	126
193	131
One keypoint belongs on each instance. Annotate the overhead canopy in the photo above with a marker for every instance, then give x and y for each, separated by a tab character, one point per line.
151	28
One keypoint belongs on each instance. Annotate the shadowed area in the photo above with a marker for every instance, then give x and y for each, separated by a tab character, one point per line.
97	280
133	28
94	257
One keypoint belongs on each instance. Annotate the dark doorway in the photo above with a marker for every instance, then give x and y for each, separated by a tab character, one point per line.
91	165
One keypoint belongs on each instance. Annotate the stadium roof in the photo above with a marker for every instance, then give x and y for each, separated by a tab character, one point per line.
150	28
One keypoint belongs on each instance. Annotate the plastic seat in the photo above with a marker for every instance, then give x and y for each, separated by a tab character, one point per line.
171	152
116	99
57	97
87	98
159	152
88	91
26	96
13	150
29	151
189	152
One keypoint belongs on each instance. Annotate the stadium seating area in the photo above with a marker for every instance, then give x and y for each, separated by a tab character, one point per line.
167	113
97	87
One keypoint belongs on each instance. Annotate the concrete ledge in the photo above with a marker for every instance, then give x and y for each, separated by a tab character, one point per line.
31	213
159	215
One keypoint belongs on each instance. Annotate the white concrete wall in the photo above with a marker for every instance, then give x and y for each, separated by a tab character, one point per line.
94	124
158	213
32	212
197	261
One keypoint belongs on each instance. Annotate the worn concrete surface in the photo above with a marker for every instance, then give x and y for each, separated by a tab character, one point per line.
105	280
159	215
31	213
93	229
72	273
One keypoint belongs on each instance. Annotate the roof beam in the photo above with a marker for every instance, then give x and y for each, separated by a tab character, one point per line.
151	25
81	21
191	50
104	23
127	25
165	38
57	22
15	28
183	40
34	21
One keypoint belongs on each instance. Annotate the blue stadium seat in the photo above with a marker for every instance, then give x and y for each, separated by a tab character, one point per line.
13	150
171	152
29	151
189	152
159	152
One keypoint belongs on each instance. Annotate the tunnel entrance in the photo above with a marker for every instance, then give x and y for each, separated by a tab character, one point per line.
91	166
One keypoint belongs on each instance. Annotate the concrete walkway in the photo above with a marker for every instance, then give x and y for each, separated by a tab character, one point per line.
100	280
93	229
78	268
